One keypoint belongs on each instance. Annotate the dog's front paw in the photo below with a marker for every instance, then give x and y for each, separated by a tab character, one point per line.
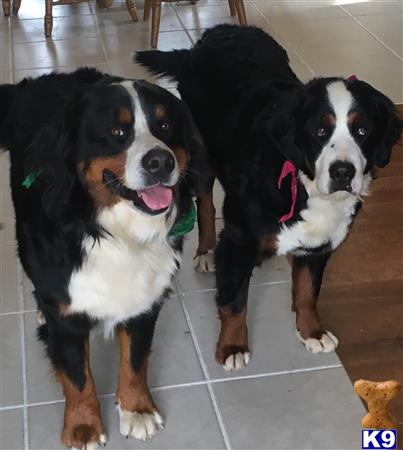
204	262
233	357
83	437
325	344
139	425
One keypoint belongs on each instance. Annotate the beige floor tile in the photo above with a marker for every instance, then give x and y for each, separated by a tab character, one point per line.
5	76
9	283
321	31
122	49
13	422
69	27
35	9
58	53
302	10
11	361
388	81
347	58
373	7
120	23
387	27
300	68
194	16
20	74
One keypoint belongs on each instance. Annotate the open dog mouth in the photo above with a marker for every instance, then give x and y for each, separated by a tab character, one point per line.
153	200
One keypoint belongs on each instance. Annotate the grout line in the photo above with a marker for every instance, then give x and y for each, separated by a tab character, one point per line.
26	311
23	356
186	293
181	23
371	33
100	38
190	384
274	374
203	365
287	43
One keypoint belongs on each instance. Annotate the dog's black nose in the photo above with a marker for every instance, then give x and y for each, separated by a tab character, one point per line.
159	163
341	174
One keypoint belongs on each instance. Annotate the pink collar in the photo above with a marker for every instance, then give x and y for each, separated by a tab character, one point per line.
289	168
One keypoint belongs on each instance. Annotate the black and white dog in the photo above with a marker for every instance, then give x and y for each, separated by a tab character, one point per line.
102	172
295	162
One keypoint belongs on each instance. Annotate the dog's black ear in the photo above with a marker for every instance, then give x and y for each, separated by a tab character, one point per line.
52	163
284	124
389	128
198	172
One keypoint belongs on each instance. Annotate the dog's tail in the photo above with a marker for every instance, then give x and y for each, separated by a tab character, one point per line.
7	94
171	64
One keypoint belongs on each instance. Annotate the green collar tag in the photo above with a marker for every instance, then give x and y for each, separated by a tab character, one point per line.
30	179
185	224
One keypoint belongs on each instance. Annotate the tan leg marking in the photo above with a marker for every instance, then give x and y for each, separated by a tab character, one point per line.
139	417
204	259
309	329
82	415
232	347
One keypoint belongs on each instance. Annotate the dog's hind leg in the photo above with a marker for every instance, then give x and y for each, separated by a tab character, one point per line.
236	256
204	258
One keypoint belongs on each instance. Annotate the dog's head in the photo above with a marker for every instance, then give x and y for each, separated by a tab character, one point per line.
124	140
336	131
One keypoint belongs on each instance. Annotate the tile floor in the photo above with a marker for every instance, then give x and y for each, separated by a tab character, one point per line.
286	398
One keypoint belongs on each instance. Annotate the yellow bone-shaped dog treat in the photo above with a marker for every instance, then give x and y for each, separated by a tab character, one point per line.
377	396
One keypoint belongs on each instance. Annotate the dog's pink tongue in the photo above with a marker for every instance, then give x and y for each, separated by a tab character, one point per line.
158	197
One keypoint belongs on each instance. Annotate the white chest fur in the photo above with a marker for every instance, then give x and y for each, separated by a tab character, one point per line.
125	273
325	220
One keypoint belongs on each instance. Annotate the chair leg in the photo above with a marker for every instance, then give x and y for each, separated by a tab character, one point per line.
147	10
131	7
6	7
232	7
155	22
48	18
16	6
240	7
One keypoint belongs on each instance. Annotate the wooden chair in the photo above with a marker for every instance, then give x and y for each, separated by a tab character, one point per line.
49	4
237	8
7	6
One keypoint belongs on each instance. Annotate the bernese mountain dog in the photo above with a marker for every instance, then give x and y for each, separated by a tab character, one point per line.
103	170
295	161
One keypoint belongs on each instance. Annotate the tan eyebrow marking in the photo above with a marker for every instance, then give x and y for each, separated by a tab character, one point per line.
328	119
160	111
124	116
354	117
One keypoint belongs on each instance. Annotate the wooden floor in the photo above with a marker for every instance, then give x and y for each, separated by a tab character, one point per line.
362	297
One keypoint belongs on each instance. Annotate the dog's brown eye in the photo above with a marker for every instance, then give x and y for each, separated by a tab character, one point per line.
117	132
165	126
362	131
321	132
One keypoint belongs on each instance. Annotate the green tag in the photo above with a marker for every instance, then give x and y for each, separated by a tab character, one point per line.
186	223
30	179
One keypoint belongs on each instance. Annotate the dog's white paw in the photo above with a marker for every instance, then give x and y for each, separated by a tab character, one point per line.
205	262
327	343
139	425
237	361
40	318
94	445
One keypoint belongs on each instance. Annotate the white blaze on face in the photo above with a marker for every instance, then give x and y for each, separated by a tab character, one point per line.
144	141
341	145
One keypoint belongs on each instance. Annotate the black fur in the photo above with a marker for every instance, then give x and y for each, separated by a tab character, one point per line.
56	124
254	114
